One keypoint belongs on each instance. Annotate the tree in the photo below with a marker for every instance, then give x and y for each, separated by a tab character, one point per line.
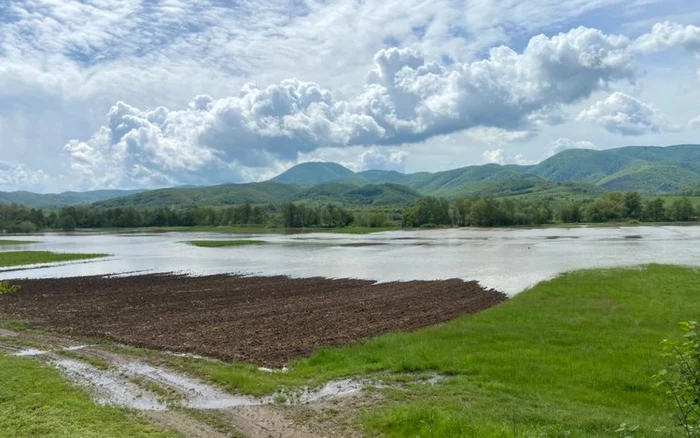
429	210
682	210
655	210
66	223
633	205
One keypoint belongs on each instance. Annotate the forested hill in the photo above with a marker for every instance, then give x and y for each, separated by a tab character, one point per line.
646	169
269	193
52	200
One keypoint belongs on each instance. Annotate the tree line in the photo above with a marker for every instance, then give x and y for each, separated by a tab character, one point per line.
491	212
20	219
427	211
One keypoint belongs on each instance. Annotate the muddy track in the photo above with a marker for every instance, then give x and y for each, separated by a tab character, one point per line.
163	396
264	320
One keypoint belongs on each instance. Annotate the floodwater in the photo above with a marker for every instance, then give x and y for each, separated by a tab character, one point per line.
509	260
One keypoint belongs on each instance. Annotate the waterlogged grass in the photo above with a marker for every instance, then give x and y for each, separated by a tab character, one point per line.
18	258
571	357
5	242
224	243
35	401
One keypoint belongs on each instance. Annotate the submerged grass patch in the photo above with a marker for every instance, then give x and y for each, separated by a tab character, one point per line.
36	401
18	258
573	356
4	242
224	243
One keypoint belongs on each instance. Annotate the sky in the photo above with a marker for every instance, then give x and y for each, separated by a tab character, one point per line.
98	94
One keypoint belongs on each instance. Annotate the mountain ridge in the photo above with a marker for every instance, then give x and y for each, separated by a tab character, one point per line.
646	169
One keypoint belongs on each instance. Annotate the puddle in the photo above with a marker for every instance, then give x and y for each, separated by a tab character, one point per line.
36	352
7	333
273	370
335	389
75	348
109	387
30	352
197	395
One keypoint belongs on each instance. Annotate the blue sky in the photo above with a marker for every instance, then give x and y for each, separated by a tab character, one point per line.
154	93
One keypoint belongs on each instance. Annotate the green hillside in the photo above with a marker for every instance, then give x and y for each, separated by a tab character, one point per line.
576	172
51	200
647	169
269	193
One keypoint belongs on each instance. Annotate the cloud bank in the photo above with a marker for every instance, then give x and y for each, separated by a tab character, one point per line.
406	99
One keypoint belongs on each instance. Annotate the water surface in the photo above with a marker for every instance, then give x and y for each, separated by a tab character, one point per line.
505	259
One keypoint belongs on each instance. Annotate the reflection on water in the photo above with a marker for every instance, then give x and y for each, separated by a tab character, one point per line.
508	260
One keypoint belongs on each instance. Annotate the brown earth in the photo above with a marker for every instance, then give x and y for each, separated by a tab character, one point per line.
264	320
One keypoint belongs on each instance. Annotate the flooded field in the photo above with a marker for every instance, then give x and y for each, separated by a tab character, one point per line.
507	260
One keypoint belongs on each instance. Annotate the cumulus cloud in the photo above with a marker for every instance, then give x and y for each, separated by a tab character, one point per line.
694	122
382	159
16	174
667	34
406	100
562	144
500	156
623	114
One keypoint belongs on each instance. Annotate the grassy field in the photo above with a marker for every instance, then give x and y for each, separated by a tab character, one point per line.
15	242
224	243
36	401
571	357
18	258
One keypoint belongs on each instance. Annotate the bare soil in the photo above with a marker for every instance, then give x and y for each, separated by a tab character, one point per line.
264	320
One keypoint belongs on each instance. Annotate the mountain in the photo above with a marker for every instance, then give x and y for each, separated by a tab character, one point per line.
314	173
647	169
53	200
574	172
268	192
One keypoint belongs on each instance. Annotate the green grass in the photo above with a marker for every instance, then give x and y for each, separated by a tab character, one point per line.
17	258
4	242
573	356
35	401
92	360
224	243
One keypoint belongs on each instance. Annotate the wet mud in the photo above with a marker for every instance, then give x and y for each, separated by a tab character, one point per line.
263	320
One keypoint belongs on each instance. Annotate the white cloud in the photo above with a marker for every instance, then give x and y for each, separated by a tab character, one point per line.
500	156
562	144
382	159
667	34
406	100
17	174
623	114
694	122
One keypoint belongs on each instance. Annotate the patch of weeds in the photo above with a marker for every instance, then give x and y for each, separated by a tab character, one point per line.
91	360
167	395
7	288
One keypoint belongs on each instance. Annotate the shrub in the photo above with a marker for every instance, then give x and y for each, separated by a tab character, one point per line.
682	378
